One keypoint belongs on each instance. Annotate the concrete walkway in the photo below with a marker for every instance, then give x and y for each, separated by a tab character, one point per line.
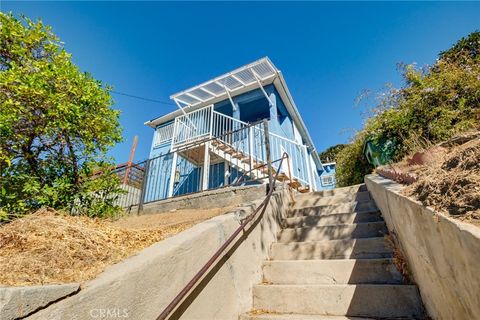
331	261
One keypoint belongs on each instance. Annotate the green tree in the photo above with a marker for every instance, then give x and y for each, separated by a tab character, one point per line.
330	154
56	122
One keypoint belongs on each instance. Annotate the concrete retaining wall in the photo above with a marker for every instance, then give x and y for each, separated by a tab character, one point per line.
18	302
442	253
141	286
223	197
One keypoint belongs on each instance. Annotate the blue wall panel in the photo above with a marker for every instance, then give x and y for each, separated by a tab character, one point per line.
158	178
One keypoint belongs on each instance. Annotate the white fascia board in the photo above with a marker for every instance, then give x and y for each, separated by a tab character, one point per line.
282	88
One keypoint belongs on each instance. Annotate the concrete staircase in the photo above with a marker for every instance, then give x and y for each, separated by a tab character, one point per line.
332	262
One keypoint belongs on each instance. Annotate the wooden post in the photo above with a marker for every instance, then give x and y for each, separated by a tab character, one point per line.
130	159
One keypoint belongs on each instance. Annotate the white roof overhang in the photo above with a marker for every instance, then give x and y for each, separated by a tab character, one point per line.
230	83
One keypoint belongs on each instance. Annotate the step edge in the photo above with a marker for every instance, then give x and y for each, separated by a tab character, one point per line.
372	239
338	225
337	286
332	261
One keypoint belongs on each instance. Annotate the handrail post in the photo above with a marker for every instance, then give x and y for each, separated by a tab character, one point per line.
290	178
144	187
267	153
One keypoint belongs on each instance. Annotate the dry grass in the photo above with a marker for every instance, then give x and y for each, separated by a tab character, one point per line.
452	183
398	258
50	247
257	312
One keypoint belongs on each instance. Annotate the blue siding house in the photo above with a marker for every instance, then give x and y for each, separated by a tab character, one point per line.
219	136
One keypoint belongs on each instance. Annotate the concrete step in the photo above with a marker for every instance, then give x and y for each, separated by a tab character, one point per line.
367	248
363	300
312	199
329	219
334	232
341	191
346	271
354	207
296	316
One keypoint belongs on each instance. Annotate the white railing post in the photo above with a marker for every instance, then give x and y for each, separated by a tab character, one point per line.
171	183
312	166
172	144
211	121
309	173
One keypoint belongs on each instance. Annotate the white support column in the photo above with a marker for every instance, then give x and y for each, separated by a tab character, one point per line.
226	173
309	171
206	167
171	183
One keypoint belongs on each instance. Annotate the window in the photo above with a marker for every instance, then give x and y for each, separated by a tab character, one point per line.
255	110
164	134
328	180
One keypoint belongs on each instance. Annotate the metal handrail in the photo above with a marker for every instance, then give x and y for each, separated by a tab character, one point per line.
183	293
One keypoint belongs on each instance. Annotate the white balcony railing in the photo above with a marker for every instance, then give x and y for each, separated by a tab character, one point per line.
164	134
192	127
206	123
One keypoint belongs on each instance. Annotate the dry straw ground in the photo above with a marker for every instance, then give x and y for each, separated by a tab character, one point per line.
451	184
50	247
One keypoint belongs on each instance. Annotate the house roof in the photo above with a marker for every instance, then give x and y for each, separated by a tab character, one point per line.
248	75
234	83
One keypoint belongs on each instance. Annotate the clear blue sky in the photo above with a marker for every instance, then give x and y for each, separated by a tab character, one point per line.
329	52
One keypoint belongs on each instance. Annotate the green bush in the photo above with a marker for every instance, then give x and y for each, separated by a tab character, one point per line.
436	103
351	163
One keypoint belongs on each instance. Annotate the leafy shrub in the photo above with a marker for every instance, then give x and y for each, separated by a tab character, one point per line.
351	163
435	104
